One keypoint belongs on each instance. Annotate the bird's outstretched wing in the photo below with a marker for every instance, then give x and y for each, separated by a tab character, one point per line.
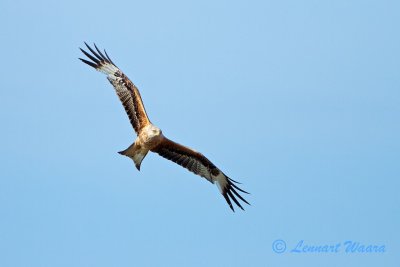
125	89
200	165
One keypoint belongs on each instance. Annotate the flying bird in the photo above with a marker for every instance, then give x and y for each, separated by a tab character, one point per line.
151	138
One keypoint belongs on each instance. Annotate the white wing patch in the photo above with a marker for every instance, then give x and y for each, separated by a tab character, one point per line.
221	181
109	70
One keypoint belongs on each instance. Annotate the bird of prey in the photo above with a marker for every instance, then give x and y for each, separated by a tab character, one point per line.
151	138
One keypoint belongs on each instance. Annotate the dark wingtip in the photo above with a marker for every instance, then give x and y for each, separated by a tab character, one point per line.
228	201
234	199
96	56
99	58
95	62
238	195
230	193
89	63
108	57
101	54
238	188
234	180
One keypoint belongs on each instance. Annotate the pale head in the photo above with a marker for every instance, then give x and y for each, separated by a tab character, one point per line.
150	135
153	131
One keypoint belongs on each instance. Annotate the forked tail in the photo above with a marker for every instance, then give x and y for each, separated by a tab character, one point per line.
135	153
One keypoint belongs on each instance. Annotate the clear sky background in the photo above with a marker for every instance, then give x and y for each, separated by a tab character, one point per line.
298	100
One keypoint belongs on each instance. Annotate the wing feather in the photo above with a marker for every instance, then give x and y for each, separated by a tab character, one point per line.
200	165
127	92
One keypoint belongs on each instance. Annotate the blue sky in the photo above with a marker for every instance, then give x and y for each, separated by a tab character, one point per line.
298	100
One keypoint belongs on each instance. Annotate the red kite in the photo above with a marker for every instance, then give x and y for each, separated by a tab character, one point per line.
151	138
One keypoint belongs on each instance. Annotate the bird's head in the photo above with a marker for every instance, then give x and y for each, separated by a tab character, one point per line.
154	131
